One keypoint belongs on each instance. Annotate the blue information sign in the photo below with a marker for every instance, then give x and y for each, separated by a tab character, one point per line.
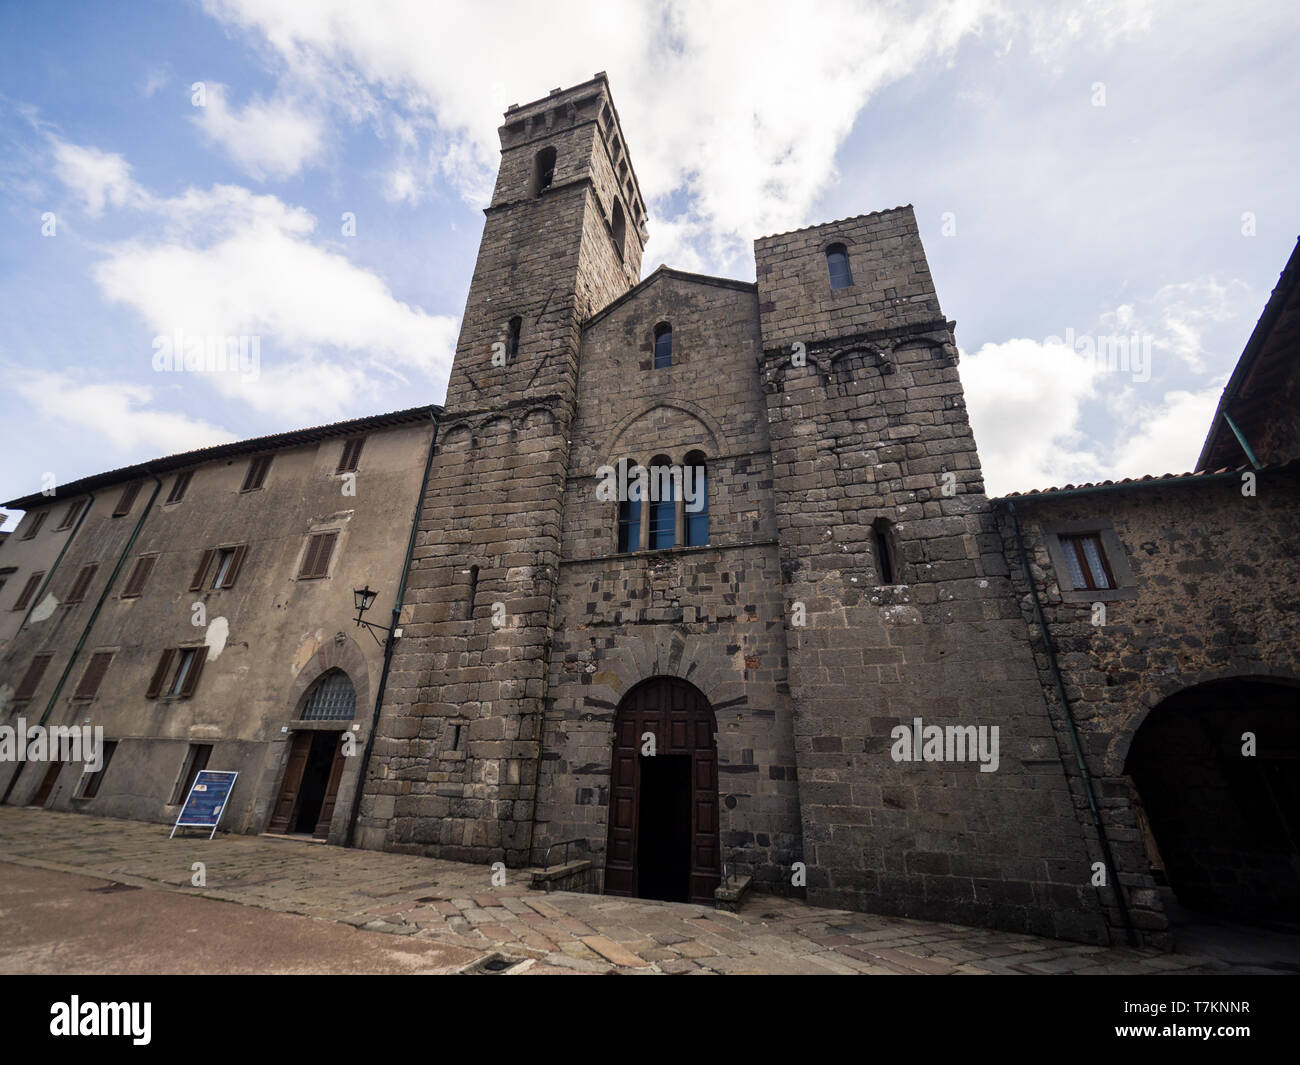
206	801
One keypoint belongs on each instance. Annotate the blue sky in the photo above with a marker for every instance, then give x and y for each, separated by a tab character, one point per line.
1079	173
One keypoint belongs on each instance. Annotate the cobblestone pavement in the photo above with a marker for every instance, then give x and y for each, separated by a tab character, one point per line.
562	932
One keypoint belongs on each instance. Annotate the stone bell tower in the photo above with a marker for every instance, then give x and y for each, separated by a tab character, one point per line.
455	760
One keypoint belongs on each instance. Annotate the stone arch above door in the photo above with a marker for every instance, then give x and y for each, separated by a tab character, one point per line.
339	652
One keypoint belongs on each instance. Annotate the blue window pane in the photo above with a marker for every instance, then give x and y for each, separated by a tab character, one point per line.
629	525
663	349
696	495
663	511
837	262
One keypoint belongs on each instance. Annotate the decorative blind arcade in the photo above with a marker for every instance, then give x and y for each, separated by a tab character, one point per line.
333	699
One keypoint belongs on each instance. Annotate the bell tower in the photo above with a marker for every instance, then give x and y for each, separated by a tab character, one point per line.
455	759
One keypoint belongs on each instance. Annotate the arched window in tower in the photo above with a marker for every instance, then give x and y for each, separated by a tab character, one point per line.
837	262
663	345
695	500
512	337
619	225
886	559
663	504
629	509
543	170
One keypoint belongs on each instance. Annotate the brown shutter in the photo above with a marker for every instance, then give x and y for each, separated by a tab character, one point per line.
36	670
70	515
257	470
316	563
143	567
79	586
235	563
160	673
94	674
351	456
179	486
192	677
35	526
201	573
308	557
29	589
128	499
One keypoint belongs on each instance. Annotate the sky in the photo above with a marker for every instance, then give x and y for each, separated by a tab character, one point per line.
1105	192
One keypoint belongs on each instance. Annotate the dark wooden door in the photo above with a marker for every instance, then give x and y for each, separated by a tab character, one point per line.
47	784
331	792
287	801
683	724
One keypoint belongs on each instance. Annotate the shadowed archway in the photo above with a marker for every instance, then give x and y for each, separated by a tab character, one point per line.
1217	770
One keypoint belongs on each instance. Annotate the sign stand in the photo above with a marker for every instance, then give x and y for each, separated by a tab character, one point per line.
206	801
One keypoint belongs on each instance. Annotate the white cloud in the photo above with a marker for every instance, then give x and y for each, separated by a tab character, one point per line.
1025	401
267	139
119	411
99	178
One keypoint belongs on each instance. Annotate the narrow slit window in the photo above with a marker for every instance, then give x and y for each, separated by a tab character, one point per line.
619	227
837	263
513	329
543	170
886	564
473	593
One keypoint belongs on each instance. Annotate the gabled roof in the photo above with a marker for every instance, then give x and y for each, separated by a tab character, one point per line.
1262	366
221	451
677	275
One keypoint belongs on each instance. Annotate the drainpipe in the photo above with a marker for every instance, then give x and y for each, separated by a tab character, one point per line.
90	623
1104	840
1241	440
40	592
391	641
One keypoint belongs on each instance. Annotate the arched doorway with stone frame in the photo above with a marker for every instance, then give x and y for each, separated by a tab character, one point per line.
663	832
313	777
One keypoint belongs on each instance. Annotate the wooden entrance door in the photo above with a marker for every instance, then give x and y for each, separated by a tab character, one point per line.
287	801
47	784
322	829
684	728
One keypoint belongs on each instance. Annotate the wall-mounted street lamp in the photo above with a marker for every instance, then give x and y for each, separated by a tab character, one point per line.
364	598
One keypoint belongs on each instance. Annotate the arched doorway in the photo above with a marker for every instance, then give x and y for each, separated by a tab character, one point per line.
663	808
309	788
1223	816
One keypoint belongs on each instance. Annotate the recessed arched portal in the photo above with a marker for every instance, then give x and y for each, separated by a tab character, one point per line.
663	807
1217	770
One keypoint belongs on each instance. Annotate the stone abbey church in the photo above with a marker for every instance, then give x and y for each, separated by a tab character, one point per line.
837	669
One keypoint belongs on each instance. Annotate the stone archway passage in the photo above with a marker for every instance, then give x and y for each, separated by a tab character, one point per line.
663	810
1226	823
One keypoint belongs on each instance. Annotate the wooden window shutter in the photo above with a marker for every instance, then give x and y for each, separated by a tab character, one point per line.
179	486
90	680
127	501
192	677
351	456
236	561
143	567
35	526
316	562
29	589
256	475
36	670
70	515
205	563
160	673
79	586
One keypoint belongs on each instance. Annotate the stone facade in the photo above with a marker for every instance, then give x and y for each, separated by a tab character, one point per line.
876	707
